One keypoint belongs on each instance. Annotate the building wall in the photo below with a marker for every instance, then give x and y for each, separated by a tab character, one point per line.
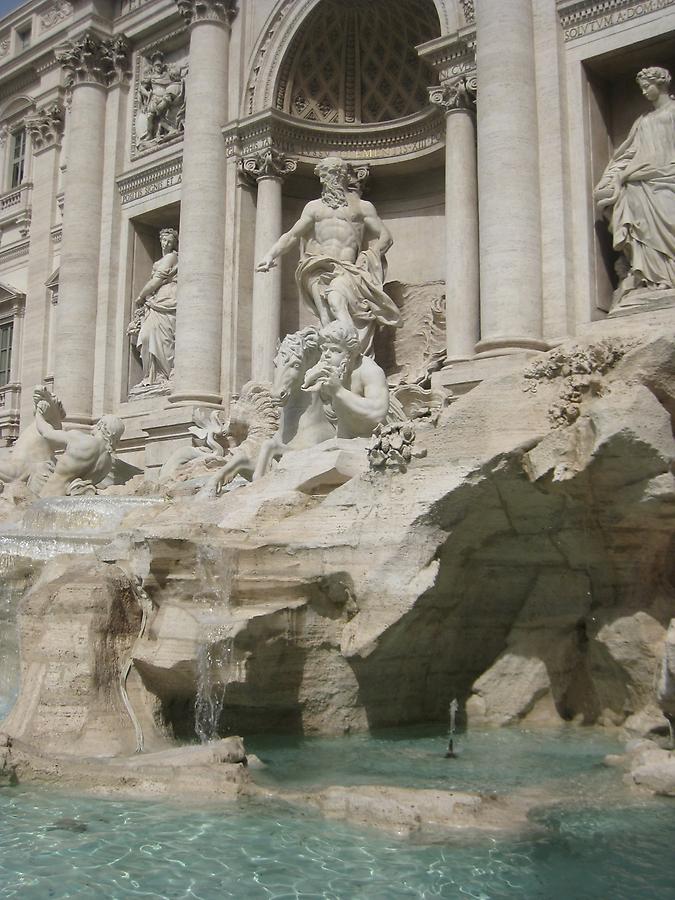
585	56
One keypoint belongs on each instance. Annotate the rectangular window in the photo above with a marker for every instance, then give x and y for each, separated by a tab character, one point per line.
18	156
23	36
6	332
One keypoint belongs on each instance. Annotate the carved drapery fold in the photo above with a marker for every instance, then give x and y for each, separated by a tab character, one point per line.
91	59
267	163
194	11
459	94
46	126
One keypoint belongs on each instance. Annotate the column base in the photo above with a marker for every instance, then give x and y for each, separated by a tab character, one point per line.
507	344
462	376
196	396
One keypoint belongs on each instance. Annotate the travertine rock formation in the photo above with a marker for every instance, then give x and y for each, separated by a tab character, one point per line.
523	567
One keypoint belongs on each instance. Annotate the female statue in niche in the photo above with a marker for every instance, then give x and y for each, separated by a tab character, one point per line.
637	189
153	327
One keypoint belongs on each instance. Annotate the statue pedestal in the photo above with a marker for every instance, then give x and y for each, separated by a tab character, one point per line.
643	300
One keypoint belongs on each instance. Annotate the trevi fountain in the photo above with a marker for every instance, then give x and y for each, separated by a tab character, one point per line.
337	500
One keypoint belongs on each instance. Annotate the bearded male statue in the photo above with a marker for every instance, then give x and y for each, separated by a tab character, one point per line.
342	265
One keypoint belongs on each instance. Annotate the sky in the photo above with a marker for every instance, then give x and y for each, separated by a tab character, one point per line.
6	6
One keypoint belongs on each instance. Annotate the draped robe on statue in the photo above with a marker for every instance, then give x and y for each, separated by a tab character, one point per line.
361	281
642	214
157	335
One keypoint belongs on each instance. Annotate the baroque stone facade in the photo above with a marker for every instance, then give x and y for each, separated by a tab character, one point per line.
197	117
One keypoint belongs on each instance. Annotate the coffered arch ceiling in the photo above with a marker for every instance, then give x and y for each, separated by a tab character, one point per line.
353	62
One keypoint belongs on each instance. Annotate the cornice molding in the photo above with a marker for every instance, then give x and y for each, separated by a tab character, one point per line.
581	18
452	55
416	135
150	180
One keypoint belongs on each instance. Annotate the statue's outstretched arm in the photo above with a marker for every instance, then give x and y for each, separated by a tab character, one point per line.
302	228
53	436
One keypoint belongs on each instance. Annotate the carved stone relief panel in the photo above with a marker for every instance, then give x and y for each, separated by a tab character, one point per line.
159	96
408	352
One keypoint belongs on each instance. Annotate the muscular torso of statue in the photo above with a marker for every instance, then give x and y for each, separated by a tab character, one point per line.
338	233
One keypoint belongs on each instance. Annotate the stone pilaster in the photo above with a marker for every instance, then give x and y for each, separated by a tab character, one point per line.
462	304
45	130
91	64
508	178
267	168
200	279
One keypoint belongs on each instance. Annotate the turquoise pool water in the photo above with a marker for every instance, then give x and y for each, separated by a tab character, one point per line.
606	845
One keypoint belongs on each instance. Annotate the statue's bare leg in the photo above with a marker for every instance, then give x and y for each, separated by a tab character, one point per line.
338	301
322	310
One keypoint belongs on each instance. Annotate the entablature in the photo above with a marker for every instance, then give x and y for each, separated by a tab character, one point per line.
414	136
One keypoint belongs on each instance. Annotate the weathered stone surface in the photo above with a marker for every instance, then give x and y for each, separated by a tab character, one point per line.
335	598
421	814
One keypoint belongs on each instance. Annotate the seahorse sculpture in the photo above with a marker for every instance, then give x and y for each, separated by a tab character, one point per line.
254	418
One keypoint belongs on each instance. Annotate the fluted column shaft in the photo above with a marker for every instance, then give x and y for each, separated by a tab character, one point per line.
45	130
78	278
92	64
508	180
462	297
267	168
202	219
266	312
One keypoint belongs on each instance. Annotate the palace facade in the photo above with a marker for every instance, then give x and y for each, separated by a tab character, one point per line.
478	130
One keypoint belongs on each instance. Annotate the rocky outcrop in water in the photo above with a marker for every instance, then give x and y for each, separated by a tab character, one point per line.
524	566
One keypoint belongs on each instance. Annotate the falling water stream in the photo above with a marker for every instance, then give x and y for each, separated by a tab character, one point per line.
48	528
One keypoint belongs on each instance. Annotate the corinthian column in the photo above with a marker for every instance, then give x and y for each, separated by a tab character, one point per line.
462	298
268	169
91	65
45	129
508	179
202	217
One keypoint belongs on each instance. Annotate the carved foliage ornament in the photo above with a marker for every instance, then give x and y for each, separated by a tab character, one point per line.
459	94
56	13
267	163
46	127
194	11
468	8
92	59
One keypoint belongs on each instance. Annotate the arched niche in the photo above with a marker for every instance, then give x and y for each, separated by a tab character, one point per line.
283	27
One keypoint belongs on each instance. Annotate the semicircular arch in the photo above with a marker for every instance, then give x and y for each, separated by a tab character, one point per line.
280	31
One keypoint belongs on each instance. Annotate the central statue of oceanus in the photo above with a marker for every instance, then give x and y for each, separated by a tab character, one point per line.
342	260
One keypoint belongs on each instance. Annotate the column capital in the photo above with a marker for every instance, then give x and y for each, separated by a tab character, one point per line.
459	94
267	163
90	59
46	127
194	11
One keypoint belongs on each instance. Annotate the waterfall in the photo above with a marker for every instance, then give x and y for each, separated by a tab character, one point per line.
14	581
48	528
217	665
57	525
